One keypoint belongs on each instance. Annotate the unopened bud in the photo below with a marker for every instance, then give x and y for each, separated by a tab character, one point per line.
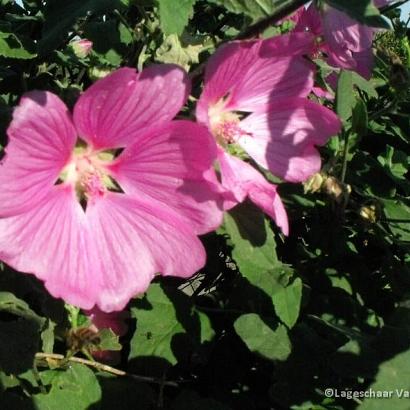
314	183
369	213
96	73
337	189
82	48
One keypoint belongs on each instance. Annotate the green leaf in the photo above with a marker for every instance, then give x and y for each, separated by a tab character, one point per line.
395	162
254	250
359	118
47	337
364	85
398	215
167	325
363	11
77	387
255	9
174	18
9	303
262	339
13	47
345	97
287	302
254	246
394	376
109	340
184	51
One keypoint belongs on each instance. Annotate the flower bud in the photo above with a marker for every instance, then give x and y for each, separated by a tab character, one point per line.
96	73
314	183
82	48
370	213
336	189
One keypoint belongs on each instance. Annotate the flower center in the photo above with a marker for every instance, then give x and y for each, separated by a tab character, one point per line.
87	173
225	125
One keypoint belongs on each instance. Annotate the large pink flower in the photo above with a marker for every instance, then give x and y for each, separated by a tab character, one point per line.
261	105
96	226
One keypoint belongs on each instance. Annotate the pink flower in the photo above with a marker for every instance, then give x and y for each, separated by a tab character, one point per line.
82	47
261	105
345	42
143	208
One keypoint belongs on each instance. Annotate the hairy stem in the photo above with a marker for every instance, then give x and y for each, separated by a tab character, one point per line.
61	359
287	7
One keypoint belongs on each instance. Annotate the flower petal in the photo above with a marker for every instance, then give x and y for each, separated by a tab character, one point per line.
282	138
115	109
41	139
238	73
245	181
103	256
172	165
291	44
340	30
136	239
52	241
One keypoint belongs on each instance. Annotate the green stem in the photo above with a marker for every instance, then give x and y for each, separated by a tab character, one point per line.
284	10
345	153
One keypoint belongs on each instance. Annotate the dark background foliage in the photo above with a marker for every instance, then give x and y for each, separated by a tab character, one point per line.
270	322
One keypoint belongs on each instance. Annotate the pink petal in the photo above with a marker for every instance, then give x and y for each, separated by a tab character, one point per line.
51	241
137	239
115	109
245	181
292	44
340	30
323	93
103	256
341	57
172	166
364	63
41	139
309	20
283	137
237	72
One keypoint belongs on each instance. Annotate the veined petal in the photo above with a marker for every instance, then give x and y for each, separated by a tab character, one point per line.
245	181
103	256
41	138
137	239
292	44
52	241
117	108
282	137
340	30
172	165
237	73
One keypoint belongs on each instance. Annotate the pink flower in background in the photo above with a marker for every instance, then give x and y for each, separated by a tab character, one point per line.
261	105
345	42
116	321
82	48
97	224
